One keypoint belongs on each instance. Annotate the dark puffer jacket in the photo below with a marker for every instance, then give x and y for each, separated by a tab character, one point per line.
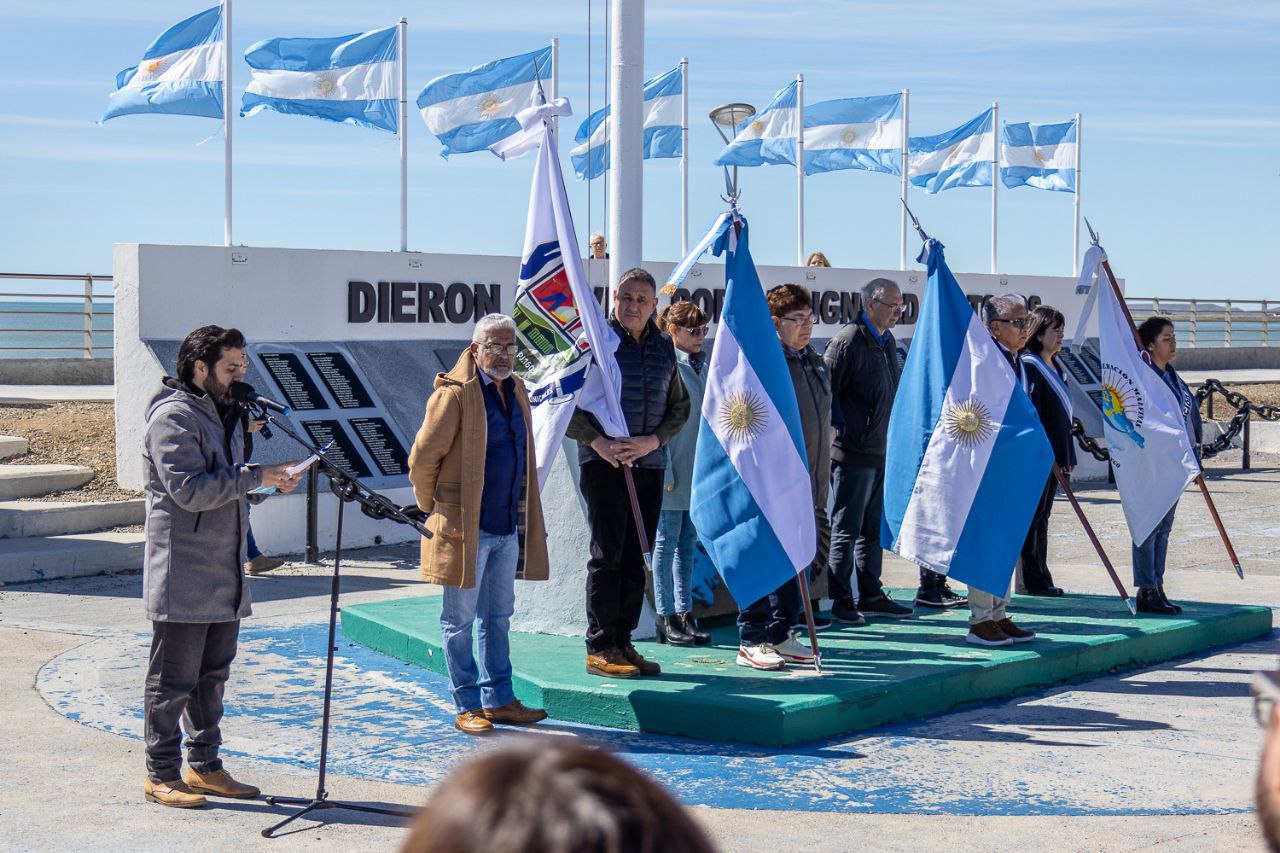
864	381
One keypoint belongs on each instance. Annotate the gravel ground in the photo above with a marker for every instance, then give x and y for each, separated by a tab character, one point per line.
69	434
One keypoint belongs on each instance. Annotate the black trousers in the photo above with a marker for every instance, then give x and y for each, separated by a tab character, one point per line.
770	619
615	571
1035	549
856	555
186	676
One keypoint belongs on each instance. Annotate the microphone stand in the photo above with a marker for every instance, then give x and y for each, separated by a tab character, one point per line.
347	488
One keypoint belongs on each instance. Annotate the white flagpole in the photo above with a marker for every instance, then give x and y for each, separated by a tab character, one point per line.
800	170
906	122
1075	237
995	176
226	122
555	87
402	38
684	156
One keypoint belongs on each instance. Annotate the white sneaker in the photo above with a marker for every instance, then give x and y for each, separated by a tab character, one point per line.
762	656
791	650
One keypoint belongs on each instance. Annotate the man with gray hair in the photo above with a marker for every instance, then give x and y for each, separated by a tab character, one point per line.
472	467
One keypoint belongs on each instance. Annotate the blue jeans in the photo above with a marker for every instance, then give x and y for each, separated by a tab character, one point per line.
492	599
251	547
1148	558
673	561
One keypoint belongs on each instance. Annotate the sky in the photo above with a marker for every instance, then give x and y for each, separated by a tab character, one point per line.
1180	133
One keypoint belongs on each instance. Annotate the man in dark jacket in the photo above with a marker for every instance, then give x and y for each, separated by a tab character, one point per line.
655	405
193	586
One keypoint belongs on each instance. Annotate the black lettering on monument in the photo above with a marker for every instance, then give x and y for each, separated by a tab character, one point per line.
459	302
361	299
702	299
910	309
286	370
402	302
341	379
718	303
342	452
488	300
384	301
383	446
430	296
829	306
850	305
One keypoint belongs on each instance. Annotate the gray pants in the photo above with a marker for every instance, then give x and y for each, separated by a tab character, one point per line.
188	670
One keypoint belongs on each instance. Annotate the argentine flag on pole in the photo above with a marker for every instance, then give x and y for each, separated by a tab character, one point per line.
474	109
351	79
1043	156
661	128
180	73
967	458
767	138
854	133
957	158
566	346
752	504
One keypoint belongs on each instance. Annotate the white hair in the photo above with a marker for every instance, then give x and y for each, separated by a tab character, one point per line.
488	323
1000	307
596	236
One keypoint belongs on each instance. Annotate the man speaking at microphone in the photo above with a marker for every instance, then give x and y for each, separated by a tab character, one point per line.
193	586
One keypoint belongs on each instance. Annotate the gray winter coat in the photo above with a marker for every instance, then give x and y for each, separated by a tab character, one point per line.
196	513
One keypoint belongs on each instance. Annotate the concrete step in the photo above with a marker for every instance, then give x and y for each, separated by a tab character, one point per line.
33	481
11	445
19	519
77	555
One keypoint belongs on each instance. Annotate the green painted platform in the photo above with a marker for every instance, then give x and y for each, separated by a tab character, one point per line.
885	671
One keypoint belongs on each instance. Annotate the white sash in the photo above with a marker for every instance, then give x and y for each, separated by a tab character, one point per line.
1051	376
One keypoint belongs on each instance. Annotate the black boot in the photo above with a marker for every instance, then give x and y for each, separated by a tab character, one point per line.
1165	599
1149	601
669	632
690	627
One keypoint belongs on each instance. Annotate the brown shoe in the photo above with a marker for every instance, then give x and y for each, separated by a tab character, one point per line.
988	634
472	723
646	667
262	564
174	794
1013	632
220	784
515	713
611	664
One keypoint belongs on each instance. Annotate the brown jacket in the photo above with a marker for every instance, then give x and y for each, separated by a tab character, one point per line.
446	467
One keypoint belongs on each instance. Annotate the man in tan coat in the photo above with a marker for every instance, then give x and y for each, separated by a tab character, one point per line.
473	468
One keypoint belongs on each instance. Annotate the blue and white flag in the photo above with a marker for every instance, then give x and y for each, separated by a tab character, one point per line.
180	73
769	137
957	158
661	128
565	344
967	458
1043	156
854	133
353	79
752	503
474	109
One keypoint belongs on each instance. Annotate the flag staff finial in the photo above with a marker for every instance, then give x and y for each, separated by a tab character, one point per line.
915	223
1093	235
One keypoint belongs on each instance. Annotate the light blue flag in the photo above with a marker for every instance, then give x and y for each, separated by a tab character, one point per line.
353	79
1043	156
769	137
475	109
180	73
957	158
967	458
752	503
854	133
661	128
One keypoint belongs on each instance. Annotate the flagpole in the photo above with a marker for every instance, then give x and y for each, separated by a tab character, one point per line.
1075	235
906	121
684	156
802	579
995	176
226	122
1065	483
402	37
590	105
555	86
800	170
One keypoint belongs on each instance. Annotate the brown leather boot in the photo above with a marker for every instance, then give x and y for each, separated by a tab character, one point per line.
633	657
988	634
1013	632
611	664
472	723
220	784
515	713
174	794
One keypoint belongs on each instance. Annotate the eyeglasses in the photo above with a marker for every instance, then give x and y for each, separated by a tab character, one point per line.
500	349
1266	693
811	320
696	331
1018	323
892	306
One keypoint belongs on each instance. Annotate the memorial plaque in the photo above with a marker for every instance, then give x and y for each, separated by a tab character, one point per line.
341	379
343	453
1077	368
383	446
300	392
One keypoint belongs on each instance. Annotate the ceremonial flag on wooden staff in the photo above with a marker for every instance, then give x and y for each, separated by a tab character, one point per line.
967	457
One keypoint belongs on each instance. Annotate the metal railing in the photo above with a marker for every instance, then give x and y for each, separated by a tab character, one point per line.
84	305
1206	323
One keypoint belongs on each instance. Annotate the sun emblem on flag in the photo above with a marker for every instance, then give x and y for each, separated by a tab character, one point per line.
757	126
1123	408
324	86
152	67
1039	155
849	136
969	423
490	107
743	416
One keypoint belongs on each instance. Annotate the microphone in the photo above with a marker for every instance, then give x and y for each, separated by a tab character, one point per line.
243	393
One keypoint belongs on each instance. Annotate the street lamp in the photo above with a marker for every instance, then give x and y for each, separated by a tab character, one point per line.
731	117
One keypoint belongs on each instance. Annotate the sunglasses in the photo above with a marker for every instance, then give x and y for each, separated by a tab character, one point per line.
499	349
1020	323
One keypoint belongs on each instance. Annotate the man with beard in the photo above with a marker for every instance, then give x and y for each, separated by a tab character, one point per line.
193	585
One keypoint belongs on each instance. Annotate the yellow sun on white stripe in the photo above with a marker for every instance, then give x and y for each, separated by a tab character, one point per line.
490	107
324	86
969	422
743	416
152	67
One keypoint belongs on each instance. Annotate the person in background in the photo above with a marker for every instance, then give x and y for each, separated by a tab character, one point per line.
597	247
817	259
675	547
1161	343
552	796
1047	387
